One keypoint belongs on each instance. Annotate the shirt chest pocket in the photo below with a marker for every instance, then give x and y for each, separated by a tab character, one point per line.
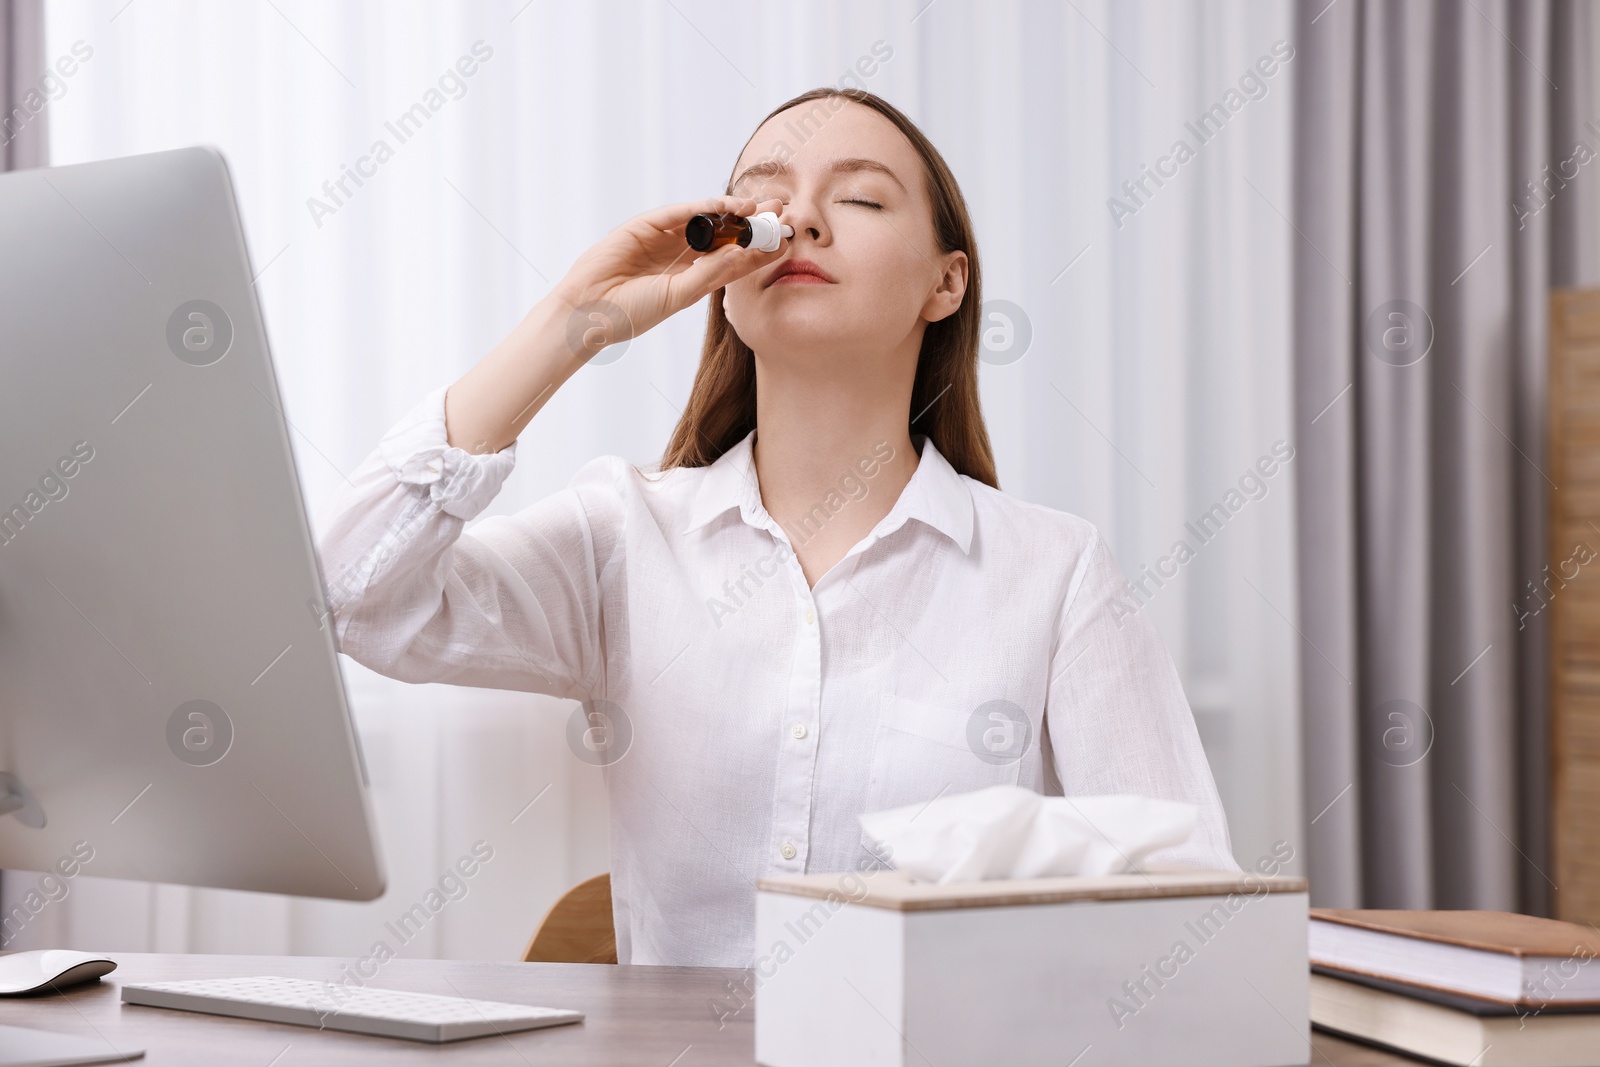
922	750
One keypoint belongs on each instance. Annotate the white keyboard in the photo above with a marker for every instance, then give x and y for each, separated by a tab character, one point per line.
384	1012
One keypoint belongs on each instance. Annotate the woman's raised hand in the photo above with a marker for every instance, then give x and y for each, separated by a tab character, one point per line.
636	276
644	271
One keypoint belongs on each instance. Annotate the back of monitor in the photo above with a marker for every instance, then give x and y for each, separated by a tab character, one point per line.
170	696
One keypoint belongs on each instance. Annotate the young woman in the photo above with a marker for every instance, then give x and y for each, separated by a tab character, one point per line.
819	603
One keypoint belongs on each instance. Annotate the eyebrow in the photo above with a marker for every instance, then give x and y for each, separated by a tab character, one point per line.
772	168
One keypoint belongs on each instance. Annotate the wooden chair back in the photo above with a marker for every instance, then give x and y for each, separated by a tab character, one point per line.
577	928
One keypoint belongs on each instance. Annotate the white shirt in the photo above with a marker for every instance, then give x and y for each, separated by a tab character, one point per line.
746	719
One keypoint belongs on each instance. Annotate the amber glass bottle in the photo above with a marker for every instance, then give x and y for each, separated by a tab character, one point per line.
763	232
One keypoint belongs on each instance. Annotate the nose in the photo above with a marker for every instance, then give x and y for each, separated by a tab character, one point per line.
801	213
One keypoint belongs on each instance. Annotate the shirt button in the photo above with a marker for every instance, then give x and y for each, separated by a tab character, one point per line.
788	850
799	730
811	617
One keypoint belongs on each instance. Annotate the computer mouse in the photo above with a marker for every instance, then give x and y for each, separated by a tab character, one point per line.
49	969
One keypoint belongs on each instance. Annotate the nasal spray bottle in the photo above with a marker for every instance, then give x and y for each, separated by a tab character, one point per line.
762	232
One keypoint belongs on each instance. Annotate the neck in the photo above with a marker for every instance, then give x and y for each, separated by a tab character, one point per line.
833	447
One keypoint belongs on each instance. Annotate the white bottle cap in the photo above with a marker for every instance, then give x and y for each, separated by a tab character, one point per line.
767	233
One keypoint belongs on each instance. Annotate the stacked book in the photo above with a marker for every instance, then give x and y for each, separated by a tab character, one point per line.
1478	988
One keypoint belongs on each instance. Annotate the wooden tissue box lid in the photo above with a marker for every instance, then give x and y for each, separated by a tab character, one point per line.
895	891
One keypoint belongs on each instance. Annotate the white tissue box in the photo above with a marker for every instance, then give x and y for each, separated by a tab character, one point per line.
1201	968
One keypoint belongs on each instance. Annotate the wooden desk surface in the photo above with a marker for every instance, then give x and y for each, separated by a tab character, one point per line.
645	1016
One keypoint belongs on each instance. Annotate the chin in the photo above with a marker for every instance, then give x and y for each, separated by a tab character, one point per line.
804	327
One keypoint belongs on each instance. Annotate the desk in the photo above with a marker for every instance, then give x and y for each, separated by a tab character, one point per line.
645	1016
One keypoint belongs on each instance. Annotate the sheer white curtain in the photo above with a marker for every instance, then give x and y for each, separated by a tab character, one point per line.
1154	377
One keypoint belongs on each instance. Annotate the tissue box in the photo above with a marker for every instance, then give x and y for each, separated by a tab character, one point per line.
1202	968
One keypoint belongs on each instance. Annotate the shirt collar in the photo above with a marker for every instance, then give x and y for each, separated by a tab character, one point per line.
936	494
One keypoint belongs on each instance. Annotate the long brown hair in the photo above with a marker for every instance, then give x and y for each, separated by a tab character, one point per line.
944	395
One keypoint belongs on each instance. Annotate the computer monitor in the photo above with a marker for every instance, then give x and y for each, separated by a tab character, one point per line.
170	695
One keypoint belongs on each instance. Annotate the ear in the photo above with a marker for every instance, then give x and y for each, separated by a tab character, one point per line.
946	296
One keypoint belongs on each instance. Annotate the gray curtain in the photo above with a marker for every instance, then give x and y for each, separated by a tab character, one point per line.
1430	236
23	112
23	140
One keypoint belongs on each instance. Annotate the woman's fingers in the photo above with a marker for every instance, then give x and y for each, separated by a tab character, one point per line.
728	263
716	269
648	254
673	216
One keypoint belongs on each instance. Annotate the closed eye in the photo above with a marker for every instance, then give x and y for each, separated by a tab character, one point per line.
864	203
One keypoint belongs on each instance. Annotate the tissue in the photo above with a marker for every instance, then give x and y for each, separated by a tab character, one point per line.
1007	831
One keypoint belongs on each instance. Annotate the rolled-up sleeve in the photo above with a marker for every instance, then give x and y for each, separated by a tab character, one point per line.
513	603
1116	714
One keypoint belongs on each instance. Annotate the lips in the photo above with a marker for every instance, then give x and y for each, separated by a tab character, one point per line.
799	272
